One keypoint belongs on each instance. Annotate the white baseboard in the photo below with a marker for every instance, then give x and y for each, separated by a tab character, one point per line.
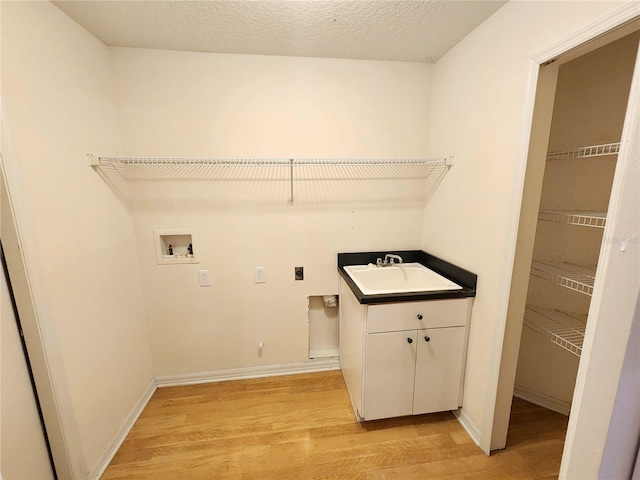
102	464
468	424
259	371
542	400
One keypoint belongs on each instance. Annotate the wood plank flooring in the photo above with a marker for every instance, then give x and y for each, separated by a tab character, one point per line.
301	427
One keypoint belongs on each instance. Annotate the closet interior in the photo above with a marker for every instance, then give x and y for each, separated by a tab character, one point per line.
586	126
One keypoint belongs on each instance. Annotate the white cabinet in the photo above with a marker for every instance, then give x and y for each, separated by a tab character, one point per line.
403	358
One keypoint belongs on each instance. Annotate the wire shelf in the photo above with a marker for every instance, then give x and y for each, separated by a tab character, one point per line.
586	152
290	170
563	329
128	162
573	277
576	217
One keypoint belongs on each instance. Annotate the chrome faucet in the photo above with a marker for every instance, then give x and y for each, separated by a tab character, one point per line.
389	259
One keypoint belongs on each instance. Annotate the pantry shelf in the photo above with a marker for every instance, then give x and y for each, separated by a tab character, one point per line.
576	217
563	329
573	277
586	152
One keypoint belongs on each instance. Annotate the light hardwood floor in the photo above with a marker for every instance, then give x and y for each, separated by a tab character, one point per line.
301	427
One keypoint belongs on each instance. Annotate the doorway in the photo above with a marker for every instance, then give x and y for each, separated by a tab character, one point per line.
584	141
598	363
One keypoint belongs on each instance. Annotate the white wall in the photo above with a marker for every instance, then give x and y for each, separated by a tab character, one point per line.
78	240
478	99
196	104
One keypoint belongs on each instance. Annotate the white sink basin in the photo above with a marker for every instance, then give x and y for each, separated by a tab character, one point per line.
408	277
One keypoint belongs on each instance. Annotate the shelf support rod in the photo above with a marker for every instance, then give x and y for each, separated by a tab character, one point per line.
291	181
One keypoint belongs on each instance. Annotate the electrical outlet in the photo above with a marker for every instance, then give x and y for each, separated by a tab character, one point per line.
259	275
299	273
204	277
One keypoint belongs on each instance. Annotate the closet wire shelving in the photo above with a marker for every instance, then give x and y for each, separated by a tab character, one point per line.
586	152
581	218
567	275
432	170
563	329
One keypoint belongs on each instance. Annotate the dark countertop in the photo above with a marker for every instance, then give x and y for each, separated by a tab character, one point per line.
462	277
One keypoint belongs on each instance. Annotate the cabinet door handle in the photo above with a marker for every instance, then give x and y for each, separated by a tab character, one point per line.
420	317
409	340
426	338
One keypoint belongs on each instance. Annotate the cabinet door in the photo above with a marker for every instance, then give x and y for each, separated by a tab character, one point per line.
389	370
438	369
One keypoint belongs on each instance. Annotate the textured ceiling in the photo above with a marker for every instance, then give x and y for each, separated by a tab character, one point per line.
401	30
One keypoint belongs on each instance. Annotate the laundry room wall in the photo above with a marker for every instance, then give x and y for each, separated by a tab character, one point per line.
249	106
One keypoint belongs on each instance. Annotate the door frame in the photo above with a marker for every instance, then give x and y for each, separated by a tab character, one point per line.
40	337
25	362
